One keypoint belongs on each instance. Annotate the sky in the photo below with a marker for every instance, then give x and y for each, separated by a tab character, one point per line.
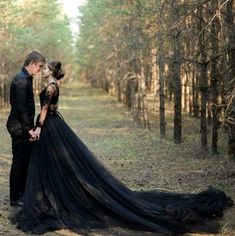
71	9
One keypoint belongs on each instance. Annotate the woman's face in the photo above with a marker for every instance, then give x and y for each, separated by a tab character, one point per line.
46	72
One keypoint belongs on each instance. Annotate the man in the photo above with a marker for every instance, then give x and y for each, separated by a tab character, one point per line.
21	122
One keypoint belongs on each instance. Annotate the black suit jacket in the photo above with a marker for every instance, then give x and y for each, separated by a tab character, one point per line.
21	117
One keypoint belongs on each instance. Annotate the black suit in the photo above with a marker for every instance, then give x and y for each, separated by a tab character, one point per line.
20	121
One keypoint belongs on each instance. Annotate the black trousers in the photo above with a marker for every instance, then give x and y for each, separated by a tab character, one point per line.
21	150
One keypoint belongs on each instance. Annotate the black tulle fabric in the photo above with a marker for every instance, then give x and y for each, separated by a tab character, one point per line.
68	187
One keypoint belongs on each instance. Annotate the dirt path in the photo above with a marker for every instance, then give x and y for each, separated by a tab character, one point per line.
137	157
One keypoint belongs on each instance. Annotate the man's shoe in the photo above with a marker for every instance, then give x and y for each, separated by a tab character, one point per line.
17	203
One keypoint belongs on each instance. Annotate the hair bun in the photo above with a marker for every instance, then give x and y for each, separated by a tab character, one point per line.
55	66
60	74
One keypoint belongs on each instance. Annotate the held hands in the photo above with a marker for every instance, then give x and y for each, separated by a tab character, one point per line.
34	134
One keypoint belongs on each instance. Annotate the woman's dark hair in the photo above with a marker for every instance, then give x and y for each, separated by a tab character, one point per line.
34	56
55	67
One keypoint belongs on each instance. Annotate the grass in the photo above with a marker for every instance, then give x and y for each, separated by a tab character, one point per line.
139	158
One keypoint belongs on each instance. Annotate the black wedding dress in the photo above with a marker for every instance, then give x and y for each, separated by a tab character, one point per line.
68	187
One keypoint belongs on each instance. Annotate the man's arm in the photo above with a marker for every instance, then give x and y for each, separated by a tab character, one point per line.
21	103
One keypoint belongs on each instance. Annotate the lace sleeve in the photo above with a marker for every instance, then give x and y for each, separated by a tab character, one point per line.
46	103
47	99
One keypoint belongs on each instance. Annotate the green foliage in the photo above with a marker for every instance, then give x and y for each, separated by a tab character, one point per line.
26	25
112	27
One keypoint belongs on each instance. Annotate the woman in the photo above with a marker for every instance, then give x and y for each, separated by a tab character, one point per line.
67	186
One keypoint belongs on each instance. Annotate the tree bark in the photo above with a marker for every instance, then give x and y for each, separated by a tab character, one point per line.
214	78
160	61
230	83
203	80
177	79
196	111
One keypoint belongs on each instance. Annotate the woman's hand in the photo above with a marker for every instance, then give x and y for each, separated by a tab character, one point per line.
35	135
37	132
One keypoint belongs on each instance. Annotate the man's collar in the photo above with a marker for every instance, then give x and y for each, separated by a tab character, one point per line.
27	73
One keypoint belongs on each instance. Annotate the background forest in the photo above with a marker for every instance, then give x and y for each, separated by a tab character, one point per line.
144	52
150	84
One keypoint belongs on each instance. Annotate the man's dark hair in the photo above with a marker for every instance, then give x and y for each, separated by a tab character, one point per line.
34	56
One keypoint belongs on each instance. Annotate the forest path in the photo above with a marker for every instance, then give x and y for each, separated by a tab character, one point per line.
137	157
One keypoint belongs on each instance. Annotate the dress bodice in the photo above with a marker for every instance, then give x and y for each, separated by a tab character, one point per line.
48	98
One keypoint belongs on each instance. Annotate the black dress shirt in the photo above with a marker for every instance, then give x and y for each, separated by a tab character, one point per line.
21	118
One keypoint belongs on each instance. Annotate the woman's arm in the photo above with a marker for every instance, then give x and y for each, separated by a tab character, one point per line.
42	116
46	103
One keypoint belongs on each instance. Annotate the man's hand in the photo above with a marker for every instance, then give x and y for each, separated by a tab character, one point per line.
34	134
31	135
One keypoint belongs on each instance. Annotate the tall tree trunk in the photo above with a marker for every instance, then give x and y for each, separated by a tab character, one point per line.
191	92
209	104
203	80
139	67
160	61
177	79
143	101
215	26
144	56
186	94
230	83
196	93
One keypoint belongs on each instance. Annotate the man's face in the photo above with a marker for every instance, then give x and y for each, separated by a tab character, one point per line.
36	67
